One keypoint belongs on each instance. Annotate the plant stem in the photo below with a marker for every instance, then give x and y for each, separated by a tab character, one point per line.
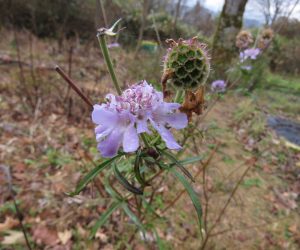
106	55
145	140
20	216
74	87
178	96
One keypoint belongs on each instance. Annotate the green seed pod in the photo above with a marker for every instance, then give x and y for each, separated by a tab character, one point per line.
186	65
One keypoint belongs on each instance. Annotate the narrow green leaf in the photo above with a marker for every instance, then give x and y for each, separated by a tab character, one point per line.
125	183
110	190
178	164
149	207
191	160
191	193
137	172
133	217
91	175
104	217
160	243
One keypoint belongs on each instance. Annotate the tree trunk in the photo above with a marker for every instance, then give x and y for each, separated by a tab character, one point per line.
230	23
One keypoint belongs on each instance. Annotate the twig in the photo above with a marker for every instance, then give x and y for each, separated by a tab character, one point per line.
74	87
22	77
103	13
206	198
6	170
156	30
196	175
244	228
252	161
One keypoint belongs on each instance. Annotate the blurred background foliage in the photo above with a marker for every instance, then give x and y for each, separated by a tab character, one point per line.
67	19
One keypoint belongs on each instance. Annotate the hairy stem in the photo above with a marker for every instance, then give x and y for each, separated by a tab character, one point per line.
107	58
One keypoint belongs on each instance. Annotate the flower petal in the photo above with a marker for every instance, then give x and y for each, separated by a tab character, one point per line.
130	140
166	135
100	115
170	106
165	115
176	120
109	147
142	126
101	131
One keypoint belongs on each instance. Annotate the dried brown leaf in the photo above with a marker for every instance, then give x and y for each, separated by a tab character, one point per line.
65	236
13	237
45	236
9	223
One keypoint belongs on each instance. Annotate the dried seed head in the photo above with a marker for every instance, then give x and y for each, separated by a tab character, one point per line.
265	38
244	39
186	64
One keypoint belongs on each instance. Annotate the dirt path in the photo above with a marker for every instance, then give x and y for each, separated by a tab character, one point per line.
263	213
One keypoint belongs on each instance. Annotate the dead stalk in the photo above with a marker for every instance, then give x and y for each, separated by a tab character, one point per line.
20	216
208	235
74	87
22	78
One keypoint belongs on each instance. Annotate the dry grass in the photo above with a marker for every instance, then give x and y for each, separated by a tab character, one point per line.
50	147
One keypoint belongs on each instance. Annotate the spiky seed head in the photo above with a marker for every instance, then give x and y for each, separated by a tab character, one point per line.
186	64
244	39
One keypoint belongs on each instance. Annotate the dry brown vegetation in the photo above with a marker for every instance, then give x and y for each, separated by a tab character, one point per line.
47	144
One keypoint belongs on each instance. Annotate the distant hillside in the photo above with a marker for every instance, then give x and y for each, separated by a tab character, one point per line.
250	23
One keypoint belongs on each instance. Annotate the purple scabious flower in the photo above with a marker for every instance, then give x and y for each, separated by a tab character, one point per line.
249	53
122	118
218	86
246	67
113	45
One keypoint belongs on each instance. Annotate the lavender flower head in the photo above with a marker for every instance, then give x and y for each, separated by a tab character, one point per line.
249	53
113	45
122	118
218	86
246	67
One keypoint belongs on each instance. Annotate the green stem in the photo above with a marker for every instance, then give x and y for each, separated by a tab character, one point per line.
178	96
145	140
109	64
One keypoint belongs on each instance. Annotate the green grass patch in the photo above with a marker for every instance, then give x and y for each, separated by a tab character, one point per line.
252	182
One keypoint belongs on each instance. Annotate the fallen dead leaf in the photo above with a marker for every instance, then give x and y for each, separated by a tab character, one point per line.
102	236
293	229
8	224
46	236
83	233
13	237
65	236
